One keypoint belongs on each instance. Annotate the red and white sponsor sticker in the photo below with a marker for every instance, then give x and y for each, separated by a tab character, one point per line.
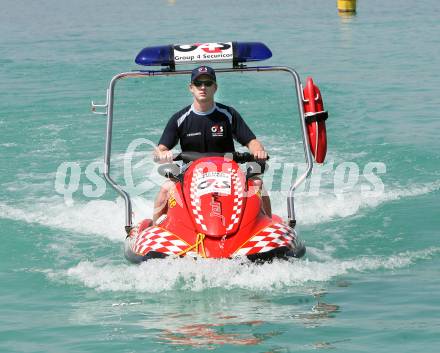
214	182
202	52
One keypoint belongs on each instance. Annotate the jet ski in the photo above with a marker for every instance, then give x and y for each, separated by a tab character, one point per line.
215	209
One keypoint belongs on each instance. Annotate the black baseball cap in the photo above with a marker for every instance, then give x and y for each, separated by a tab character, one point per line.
203	70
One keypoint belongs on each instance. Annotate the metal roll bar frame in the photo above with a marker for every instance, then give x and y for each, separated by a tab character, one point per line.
107	109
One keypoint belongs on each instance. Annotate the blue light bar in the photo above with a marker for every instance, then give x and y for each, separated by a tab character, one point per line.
156	56
197	53
251	51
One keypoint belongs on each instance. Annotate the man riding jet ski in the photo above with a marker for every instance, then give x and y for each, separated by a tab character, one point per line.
205	126
218	196
210	207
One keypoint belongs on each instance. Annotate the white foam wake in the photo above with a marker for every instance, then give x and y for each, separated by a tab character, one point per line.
187	274
328	206
106	218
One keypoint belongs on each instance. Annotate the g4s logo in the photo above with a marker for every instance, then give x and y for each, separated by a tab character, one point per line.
206	47
217	128
214	183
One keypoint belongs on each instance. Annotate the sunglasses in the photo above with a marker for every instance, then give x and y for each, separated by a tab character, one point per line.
199	83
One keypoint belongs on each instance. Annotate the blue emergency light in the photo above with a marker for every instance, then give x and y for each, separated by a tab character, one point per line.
235	52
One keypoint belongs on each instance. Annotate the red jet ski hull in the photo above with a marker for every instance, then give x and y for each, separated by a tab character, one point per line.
214	213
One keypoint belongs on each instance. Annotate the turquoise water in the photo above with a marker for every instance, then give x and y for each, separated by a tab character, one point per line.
369	282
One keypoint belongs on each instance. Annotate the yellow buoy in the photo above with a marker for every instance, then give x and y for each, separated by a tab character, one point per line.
347	7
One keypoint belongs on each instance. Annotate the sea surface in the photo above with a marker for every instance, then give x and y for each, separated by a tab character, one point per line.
370	215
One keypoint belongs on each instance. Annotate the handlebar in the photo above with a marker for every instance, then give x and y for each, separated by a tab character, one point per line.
235	156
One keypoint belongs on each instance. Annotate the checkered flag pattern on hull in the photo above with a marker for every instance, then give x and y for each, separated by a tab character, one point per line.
195	200
238	199
157	239
271	237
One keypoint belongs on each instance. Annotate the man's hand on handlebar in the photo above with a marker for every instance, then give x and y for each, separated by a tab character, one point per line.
260	155
163	155
257	150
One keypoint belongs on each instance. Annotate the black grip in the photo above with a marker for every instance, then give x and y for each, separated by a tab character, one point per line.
246	157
